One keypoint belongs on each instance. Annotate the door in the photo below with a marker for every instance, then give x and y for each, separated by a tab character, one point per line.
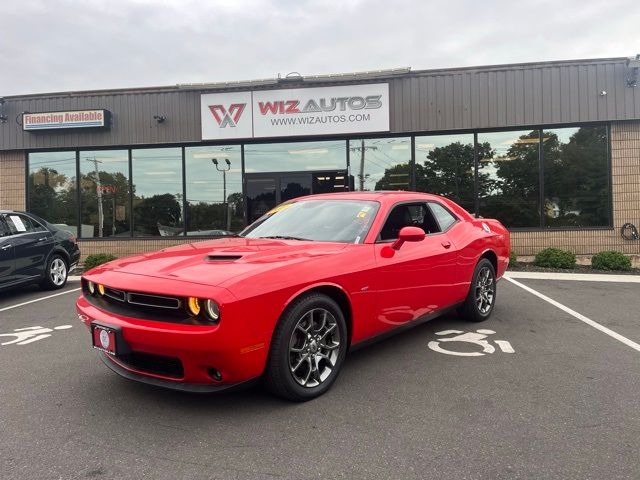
7	257
31	243
420	277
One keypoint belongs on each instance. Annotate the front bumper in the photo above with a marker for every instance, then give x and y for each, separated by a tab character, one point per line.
118	368
212	357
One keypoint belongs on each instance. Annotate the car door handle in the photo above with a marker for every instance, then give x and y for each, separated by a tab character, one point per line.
446	244
6	247
42	239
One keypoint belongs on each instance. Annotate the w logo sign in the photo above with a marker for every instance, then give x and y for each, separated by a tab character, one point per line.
228	117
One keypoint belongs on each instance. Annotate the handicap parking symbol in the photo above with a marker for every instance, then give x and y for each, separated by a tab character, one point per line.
479	338
24	336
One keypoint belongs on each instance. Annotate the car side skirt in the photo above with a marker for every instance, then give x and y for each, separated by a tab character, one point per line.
403	328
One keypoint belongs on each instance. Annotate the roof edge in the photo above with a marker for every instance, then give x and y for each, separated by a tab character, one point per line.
314	80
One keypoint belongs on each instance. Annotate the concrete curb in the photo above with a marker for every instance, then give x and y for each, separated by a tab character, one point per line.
582	277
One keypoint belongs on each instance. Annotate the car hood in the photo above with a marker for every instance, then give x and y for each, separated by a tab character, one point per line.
215	262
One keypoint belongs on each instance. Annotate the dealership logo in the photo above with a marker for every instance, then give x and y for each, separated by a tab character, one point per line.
227	117
320	105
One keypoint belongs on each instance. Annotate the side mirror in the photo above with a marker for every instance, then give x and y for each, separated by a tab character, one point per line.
408	234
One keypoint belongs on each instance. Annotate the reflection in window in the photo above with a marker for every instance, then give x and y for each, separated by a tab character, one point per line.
509	177
576	181
157	192
214	189
293	157
445	166
104	193
381	163
52	188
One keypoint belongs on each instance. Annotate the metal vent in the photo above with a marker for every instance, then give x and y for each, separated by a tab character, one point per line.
223	258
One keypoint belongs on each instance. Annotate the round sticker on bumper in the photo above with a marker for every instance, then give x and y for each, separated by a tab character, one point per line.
104	339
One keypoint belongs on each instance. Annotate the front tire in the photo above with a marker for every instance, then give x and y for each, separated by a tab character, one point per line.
481	298
308	348
55	274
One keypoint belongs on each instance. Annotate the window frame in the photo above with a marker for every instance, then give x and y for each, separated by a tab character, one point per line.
425	202
344	138
456	219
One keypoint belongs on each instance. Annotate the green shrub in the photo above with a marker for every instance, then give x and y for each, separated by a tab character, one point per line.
513	258
610	260
555	258
97	259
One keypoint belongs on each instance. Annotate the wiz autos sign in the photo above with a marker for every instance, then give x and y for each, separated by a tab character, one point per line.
295	112
70	119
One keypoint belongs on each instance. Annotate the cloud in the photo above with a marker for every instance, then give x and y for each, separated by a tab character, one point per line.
80	45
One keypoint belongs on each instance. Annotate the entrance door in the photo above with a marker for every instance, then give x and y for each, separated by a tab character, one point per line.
266	190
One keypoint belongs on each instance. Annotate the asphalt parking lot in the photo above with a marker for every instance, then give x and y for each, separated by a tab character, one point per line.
554	398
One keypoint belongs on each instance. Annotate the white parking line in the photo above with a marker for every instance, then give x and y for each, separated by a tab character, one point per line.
39	299
582	318
582	277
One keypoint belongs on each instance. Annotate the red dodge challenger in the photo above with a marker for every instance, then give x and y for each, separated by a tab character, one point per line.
287	298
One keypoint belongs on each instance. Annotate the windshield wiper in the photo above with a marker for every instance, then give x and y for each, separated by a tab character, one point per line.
287	237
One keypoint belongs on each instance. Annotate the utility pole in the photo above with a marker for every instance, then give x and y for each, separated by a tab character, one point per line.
362	149
224	171
95	162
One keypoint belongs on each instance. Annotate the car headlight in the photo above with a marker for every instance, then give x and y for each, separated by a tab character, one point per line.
91	287
212	310
193	304
101	289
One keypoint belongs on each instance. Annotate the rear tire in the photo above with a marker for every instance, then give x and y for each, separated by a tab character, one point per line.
481	298
56	273
308	348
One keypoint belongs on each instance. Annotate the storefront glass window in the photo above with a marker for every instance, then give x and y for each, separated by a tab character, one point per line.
509	177
157	192
445	166
52	188
381	163
576	177
104	193
294	157
214	192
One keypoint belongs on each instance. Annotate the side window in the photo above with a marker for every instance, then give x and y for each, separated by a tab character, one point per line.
4	228
444	217
408	215
21	224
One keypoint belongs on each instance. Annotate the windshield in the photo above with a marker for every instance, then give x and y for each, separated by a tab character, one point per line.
345	221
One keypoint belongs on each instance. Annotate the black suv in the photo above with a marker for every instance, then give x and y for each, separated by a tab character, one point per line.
34	251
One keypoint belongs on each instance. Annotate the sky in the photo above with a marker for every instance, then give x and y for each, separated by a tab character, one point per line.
64	45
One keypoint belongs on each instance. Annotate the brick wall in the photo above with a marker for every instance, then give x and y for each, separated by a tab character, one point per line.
625	178
12	176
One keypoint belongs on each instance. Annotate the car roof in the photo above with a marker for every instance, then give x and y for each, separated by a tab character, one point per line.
378	195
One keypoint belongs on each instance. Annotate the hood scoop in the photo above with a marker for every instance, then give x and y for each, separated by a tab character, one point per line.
222	258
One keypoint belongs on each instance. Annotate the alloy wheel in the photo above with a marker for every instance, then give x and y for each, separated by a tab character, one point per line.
58	272
314	347
485	290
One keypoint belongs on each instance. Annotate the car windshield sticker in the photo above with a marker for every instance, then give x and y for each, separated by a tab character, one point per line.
279	208
17	221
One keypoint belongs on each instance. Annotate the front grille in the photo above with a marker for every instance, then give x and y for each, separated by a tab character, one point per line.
157	301
159	308
157	364
118	295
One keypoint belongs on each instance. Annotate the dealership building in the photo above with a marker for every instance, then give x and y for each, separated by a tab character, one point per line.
551	149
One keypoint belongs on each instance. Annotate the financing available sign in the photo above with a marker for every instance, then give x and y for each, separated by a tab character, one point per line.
66	119
295	112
